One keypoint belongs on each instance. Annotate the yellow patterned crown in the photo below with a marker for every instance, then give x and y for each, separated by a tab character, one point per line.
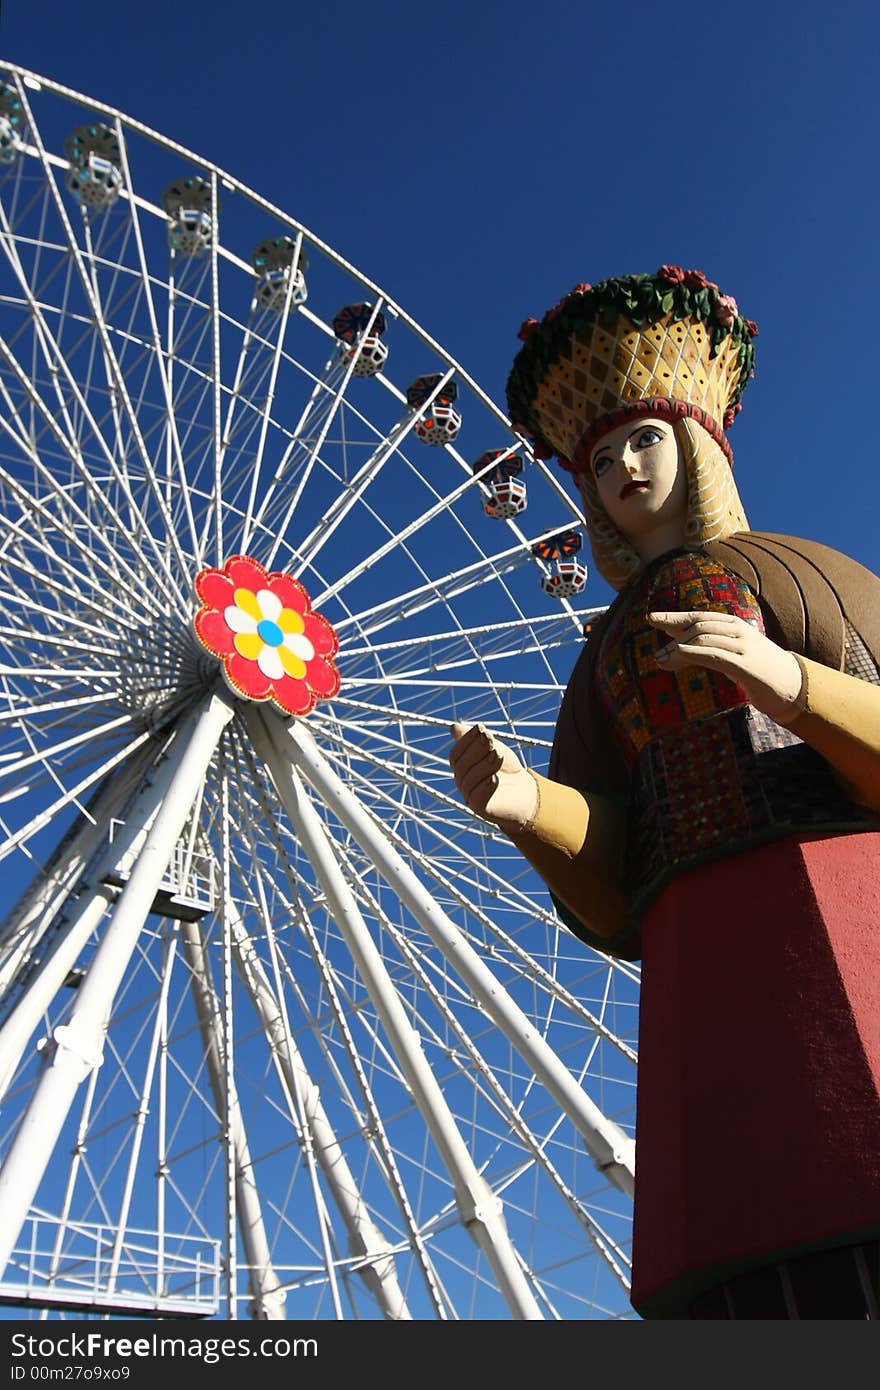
665	344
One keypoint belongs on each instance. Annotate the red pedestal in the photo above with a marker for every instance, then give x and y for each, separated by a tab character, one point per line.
759	1065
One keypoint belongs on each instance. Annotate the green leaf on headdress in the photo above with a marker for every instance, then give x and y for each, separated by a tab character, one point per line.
666	301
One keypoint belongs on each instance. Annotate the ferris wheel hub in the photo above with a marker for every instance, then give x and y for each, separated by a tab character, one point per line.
272	645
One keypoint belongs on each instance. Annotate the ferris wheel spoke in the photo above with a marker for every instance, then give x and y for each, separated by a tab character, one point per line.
346	983
332	403
268	402
70	797
177	480
442	505
424	596
276	509
217	495
501	884
404	718
16	710
89	733
302	459
225	436
53	643
159	360
17	562
502	891
311	546
86	550
74	455
449	650
115	375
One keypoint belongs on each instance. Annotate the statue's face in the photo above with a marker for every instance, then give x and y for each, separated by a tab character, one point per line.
641	478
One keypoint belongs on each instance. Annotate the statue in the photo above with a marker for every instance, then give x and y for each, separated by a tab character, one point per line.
712	808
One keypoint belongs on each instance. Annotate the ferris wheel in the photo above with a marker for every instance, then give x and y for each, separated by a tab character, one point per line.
285	1031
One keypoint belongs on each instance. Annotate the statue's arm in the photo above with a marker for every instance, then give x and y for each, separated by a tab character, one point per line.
575	841
839	716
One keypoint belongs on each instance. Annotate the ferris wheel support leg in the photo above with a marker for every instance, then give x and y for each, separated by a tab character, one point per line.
86	910
76	1047
480	1209
268	1300
365	1240
612	1149
38	905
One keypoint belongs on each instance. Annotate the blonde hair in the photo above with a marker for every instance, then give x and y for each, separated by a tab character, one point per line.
714	509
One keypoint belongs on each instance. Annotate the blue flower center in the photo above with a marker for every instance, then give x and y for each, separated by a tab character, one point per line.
270	632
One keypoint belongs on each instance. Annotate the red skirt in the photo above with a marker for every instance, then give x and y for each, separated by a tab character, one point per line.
758	1113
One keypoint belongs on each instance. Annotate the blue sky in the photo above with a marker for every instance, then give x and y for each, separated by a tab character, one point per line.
478	159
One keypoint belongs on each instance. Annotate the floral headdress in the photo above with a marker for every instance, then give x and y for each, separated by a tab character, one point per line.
666	344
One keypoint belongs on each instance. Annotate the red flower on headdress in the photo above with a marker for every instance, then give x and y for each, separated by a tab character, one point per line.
526	329
581	288
542	450
751	326
731	413
726	309
695	280
272	645
672	273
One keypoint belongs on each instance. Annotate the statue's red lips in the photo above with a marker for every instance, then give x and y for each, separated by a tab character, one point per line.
633	486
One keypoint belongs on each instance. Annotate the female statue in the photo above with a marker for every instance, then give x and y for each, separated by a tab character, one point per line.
712	807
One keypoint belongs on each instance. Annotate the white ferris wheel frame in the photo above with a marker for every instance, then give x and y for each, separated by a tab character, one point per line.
352	831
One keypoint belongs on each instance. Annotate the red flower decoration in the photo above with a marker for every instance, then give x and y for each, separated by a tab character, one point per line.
695	279
542	451
526	329
751	326
261	625
672	273
582	288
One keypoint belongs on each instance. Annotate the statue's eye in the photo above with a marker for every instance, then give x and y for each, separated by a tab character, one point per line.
602	463
649	437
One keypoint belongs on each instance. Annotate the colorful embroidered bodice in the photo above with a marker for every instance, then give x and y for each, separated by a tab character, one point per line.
641	699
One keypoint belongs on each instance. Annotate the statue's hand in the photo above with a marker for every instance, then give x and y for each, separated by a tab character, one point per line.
491	778
769	675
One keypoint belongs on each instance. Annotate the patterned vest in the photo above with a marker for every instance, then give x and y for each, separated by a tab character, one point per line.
709	775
